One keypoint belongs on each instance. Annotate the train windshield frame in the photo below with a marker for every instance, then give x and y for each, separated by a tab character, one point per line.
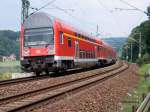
38	37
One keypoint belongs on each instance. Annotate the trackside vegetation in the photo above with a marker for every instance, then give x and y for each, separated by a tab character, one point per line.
7	68
136	97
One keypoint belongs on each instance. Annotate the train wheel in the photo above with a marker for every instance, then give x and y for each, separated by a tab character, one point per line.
47	72
99	64
37	73
64	67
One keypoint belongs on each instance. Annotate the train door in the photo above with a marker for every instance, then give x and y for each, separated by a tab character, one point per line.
76	52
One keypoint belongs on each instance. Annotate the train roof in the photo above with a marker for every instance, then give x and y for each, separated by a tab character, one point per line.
38	20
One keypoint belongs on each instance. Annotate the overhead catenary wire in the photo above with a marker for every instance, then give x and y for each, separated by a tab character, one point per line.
58	8
136	8
72	10
47	4
88	23
71	15
115	19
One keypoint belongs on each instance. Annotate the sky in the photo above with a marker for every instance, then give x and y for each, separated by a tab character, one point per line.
82	14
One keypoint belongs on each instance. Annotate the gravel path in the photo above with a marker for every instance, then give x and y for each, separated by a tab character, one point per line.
34	85
105	97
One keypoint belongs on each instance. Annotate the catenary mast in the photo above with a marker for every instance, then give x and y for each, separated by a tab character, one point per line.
24	10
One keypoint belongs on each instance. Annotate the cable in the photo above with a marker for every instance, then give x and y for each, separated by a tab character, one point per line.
49	3
61	9
69	14
115	19
82	11
140	19
133	7
103	6
72	10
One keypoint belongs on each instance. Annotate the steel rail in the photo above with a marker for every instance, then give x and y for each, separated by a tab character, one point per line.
35	78
145	106
21	80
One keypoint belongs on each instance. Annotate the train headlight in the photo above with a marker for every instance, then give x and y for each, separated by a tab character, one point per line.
50	50
26	52
22	58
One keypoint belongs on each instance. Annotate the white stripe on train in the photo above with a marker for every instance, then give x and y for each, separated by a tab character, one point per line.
76	59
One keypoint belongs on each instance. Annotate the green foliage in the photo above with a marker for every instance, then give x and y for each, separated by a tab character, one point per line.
143	86
144	29
9	43
140	61
146	58
5	76
9	64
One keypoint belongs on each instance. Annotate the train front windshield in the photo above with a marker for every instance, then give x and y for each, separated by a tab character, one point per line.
38	37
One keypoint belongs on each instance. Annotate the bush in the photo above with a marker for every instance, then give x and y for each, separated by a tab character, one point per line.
146	58
140	61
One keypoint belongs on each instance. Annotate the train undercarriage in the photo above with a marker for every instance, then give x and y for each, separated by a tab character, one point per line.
49	64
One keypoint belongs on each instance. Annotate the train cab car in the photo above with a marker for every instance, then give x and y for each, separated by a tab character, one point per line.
48	44
37	43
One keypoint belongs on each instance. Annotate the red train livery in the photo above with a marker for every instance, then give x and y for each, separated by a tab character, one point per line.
48	44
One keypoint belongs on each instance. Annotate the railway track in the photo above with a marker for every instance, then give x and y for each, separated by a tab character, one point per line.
21	80
35	78
145	106
49	95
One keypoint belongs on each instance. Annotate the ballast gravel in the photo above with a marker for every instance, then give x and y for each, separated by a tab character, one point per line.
104	97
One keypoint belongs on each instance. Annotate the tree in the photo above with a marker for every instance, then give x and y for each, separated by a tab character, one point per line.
144	29
146	58
9	43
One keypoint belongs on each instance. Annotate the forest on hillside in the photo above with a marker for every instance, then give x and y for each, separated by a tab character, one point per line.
9	43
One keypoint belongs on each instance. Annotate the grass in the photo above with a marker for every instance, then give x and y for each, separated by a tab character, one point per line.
9	63
7	68
142	88
5	76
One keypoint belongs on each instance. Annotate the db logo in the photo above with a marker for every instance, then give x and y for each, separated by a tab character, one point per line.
38	51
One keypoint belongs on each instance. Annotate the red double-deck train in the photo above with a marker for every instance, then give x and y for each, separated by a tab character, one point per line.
48	44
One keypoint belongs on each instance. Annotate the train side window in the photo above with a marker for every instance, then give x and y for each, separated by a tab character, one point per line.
61	38
76	34
93	54
98	48
87	55
69	42
80	54
84	55
90	54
